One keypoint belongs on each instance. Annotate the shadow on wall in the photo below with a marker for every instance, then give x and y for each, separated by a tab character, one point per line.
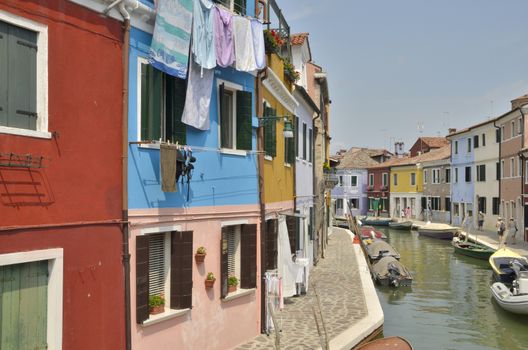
25	187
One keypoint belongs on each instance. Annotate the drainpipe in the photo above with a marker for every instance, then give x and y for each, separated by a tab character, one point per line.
314	183
500	167
521	155
261	76
124	164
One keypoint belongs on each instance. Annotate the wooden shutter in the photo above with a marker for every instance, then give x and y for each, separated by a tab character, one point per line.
224	257
267	131
22	82
296	133
273	144
142	278
271	244
175	129
151	86
181	269
248	268
3	73
244	112
311	224
304	141
310	145
291	222
291	150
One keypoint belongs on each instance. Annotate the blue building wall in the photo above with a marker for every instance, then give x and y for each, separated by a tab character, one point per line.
347	192
219	178
462	191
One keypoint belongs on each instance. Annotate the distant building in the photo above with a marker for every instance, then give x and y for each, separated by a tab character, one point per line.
426	144
437	185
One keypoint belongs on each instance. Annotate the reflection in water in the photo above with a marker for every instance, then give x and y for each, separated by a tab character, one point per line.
449	305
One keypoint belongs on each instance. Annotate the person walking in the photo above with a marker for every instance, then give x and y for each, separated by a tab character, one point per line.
501	227
480	220
512	228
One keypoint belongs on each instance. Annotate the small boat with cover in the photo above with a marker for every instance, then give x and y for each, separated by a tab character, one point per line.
375	220
392	343
500	262
390	272
371	232
438	231
514	299
401	225
379	249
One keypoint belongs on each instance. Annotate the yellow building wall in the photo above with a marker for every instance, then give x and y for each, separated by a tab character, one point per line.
404	179
278	178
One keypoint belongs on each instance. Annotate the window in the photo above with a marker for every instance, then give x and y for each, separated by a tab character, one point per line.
353	203
385	179
481	172
456	175
235	118
238	6
502	168
447	204
31	299
482	204
297	136
270	132
310	145
469	145
239	256
520	126
289	150
435	203
503	134
353	181
483	140
395	179
425	176
497	171
468	174
475	141
272	242
498	135
436	176
24	72
519	166
164	263
162	102
413	179
456	209
304	141
340	180
512	128
456	147
512	167
448	175
495	205
371	180
339	203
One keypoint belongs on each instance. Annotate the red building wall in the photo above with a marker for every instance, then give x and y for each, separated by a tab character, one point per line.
377	191
81	178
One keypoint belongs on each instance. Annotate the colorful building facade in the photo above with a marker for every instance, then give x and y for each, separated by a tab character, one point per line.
378	191
462	177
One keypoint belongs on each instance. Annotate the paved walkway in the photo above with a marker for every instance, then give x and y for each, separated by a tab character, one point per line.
349	304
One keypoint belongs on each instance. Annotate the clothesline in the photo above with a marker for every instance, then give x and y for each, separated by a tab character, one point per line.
193	148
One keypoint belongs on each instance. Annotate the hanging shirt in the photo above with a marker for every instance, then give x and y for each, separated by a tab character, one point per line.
223	32
245	55
257	31
203	39
198	98
169	50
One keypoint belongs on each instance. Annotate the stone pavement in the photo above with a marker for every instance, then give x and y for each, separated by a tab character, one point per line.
338	280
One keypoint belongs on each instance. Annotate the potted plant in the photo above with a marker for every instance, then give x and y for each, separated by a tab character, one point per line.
272	41
232	283
210	280
200	254
289	71
156	304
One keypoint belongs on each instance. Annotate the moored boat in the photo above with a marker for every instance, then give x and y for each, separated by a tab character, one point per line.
474	250
370	232
514	299
401	225
379	249
438	231
390	272
393	343
376	221
501	263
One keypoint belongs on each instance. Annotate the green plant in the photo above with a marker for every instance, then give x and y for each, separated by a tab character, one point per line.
326	166
272	41
156	301
210	276
200	250
289	70
232	281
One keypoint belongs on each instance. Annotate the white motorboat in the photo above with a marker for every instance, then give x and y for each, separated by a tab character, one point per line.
514	299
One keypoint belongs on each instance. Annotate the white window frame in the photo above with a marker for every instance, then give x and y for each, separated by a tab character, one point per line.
233	88
41	76
456	175
512	167
395	179
425	173
55	258
371	179
502	169
519	166
512	131
413	183
503	134
436	176
385	179
352	176
456	147
469	145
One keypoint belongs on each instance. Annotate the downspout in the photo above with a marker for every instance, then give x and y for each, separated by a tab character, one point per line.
261	76
314	185
522	157
500	161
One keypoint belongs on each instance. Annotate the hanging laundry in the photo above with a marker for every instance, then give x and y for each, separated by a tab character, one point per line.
198	98
257	30
168	154
245	55
169	50
223	32
203	38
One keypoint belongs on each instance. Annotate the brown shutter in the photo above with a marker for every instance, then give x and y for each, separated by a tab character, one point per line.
142	278
291	222
271	244
181	269
224	255
248	268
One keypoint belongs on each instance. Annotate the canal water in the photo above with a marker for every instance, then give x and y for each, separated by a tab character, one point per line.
449	305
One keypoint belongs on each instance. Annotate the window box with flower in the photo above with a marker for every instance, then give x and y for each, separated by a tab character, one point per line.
289	72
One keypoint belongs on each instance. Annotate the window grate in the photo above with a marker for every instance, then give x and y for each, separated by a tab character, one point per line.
157	264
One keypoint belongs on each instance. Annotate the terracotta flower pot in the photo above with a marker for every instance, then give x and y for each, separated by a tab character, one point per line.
157	310
199	258
209	283
231	289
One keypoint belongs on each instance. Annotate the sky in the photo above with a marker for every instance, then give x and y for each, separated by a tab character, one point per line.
398	70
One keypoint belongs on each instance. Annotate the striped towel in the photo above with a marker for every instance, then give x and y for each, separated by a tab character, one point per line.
169	50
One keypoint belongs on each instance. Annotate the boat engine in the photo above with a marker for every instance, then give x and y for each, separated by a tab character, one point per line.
394	275
520	284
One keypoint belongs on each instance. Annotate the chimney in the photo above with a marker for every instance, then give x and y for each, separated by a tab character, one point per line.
451	130
398	149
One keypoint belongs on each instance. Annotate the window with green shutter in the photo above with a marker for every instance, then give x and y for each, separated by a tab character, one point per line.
18	72
244	110
236	112
162	102
270	132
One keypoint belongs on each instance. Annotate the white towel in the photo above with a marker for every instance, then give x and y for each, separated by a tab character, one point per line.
244	52
198	99
257	30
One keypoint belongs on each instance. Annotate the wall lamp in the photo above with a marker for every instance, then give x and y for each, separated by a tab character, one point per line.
288	128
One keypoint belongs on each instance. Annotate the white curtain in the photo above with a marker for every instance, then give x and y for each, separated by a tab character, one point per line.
288	270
